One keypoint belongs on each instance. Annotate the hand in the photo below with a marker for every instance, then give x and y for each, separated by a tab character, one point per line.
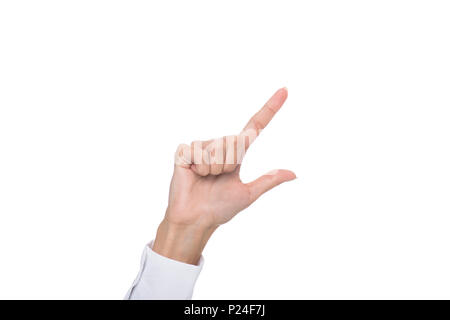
206	190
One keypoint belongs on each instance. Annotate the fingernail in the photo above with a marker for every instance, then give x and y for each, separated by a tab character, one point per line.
272	173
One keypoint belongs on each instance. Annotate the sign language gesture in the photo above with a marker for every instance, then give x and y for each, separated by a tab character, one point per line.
206	190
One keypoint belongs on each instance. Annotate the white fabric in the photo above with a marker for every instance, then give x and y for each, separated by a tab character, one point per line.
163	278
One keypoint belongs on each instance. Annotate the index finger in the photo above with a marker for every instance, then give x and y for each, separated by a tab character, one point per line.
262	118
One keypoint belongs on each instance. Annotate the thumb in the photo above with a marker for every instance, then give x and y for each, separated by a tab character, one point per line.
268	181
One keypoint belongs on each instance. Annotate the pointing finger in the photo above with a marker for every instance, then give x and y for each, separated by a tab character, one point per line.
262	118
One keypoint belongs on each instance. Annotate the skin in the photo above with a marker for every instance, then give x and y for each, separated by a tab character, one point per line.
206	190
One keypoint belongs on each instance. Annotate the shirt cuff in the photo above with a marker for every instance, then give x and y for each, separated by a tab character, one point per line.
161	278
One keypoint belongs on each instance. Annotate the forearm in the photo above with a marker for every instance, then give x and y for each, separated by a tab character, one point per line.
172	262
182	242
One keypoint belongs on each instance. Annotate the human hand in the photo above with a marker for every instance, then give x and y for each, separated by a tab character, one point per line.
206	190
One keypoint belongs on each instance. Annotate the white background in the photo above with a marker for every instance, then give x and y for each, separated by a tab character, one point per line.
95	96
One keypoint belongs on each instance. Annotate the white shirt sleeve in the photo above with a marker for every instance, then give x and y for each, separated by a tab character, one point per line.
163	278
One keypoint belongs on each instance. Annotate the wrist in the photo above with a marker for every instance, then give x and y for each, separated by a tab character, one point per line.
181	242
